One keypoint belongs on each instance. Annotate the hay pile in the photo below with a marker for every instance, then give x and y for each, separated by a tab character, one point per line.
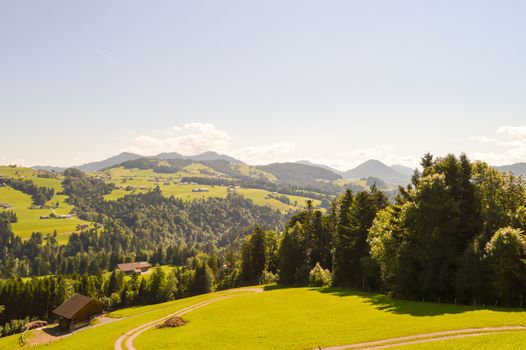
172	322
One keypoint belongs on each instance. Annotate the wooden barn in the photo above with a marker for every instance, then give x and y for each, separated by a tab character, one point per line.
77	312
137	267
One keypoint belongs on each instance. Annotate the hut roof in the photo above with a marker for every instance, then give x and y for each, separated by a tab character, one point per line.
134	266
70	307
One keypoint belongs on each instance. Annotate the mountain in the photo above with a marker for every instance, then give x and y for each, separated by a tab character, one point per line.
95	166
211	156
299	173
375	168
126	156
306	162
517	169
402	169
170	155
106	163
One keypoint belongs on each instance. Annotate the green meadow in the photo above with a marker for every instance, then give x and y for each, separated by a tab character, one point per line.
299	318
500	341
102	337
170	185
304	318
29	219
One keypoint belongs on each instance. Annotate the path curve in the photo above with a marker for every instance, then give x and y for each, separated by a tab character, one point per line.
425	338
130	335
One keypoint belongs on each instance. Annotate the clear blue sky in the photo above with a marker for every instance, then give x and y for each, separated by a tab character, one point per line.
331	81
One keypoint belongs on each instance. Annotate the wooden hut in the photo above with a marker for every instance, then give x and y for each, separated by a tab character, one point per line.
137	267
77	312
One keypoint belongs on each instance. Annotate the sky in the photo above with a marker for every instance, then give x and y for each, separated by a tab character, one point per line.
333	82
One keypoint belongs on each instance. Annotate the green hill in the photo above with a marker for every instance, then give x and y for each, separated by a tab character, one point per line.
298	173
298	318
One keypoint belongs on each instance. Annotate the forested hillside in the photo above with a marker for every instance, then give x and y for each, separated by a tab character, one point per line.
455	234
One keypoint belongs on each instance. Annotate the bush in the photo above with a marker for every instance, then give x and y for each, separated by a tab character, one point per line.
268	277
319	277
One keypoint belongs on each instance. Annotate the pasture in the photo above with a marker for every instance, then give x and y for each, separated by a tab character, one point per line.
501	341
29	219
300	318
304	318
140	181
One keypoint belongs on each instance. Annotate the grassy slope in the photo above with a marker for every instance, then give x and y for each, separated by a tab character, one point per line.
29	219
501	341
103	337
304	318
10	342
300	318
135	177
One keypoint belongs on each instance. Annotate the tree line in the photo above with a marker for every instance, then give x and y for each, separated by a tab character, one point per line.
39	194
455	234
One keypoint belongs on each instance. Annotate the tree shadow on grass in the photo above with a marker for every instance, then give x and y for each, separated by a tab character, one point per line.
270	287
406	307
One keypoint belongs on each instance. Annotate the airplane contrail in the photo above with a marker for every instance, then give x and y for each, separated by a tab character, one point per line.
105	55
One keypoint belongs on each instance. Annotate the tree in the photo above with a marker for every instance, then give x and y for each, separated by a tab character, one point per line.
291	255
320	241
203	279
319	277
352	249
254	256
343	241
506	256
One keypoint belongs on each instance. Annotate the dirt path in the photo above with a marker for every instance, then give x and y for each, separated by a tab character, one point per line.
46	336
425	338
130	335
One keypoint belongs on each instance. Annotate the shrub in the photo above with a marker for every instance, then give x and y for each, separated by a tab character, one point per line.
268	277
319	277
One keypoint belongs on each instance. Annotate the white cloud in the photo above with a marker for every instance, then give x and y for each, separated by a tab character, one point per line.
193	138
512	140
512	131
264	154
482	139
19	162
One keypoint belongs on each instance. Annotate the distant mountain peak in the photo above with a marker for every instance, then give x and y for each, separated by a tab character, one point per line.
299	173
308	162
375	168
518	169
211	156
402	169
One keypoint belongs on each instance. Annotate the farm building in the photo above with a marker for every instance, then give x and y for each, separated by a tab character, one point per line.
5	206
77	312
200	189
65	216
82	227
137	267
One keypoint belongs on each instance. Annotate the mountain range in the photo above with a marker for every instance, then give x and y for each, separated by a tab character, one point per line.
286	172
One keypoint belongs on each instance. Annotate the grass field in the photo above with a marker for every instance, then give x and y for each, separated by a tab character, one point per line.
501	341
300	318
166	268
148	180
103	337
305	318
29	219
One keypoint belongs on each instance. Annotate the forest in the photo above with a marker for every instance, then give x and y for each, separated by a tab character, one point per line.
455	234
